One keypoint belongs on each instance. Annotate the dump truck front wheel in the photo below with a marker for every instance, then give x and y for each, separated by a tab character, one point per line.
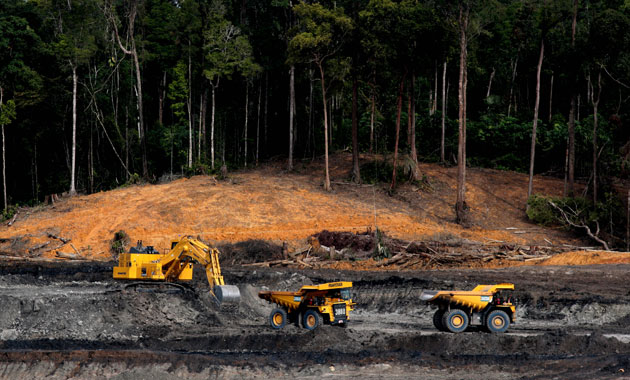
497	321
437	319
310	320
278	318
455	320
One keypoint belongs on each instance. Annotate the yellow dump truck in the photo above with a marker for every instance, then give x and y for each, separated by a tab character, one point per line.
311	305
485	305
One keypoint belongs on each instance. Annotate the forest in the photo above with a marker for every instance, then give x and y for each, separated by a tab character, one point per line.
96	94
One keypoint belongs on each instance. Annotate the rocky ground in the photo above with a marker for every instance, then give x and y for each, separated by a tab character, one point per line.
72	320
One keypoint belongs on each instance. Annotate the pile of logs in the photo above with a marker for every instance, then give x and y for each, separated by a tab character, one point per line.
54	243
406	255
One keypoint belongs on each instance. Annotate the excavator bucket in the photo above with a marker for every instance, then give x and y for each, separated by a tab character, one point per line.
227	294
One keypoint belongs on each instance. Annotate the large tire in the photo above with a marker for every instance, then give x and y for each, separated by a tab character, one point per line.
497	321
278	318
310	320
437	319
455	320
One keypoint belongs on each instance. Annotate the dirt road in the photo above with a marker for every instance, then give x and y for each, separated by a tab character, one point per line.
71	320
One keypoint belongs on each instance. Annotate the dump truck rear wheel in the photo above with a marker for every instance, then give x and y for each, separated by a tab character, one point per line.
437	319
455	320
310	321
497	321
278	318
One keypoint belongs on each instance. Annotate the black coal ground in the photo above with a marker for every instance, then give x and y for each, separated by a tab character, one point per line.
71	320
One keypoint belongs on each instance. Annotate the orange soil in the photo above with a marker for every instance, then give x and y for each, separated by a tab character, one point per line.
269	203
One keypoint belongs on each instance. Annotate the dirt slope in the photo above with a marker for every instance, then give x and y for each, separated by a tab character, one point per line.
269	203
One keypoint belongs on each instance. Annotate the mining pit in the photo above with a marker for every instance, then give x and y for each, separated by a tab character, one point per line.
72	320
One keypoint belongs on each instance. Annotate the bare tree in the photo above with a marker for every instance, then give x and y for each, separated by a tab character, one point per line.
595	102
132	51
532	152
461	209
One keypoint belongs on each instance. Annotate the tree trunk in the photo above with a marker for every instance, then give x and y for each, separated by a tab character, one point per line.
571	148
443	113
514	66
161	96
310	138
73	190
327	179
461	209
551	99
356	175
291	110
412	112
409	117
490	82
595	102
571	127
266	103
372	113
202	124
4	171
398	115
212	126
246	120
436	89
258	121
191	142
4	166
535	123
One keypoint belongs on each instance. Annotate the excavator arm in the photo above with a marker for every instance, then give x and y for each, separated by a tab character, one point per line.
188	249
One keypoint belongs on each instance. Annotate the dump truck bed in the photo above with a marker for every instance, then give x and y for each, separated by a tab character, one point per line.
292	300
476	299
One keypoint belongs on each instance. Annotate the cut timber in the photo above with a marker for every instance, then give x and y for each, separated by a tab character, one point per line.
13	219
53	236
70	256
39	246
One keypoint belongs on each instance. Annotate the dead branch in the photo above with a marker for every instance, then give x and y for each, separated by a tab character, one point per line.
37	247
584	226
53	236
13	219
70	256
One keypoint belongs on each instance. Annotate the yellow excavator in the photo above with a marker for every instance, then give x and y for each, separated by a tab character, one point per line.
145	263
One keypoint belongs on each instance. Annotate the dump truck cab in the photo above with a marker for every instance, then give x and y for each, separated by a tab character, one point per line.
312	305
487	305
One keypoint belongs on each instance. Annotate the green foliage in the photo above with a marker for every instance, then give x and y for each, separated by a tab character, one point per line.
178	91
380	171
9	212
540	211
606	216
320	34
120	242
381	250
7	112
226	50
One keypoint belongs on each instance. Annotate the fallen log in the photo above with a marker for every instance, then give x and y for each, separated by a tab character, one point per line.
37	247
14	217
53	236
69	256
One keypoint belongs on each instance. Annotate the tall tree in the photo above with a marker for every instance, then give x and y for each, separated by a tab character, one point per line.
131	50
226	52
17	78
320	36
535	123
461	209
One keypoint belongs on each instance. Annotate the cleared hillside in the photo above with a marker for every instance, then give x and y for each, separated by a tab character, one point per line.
270	204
